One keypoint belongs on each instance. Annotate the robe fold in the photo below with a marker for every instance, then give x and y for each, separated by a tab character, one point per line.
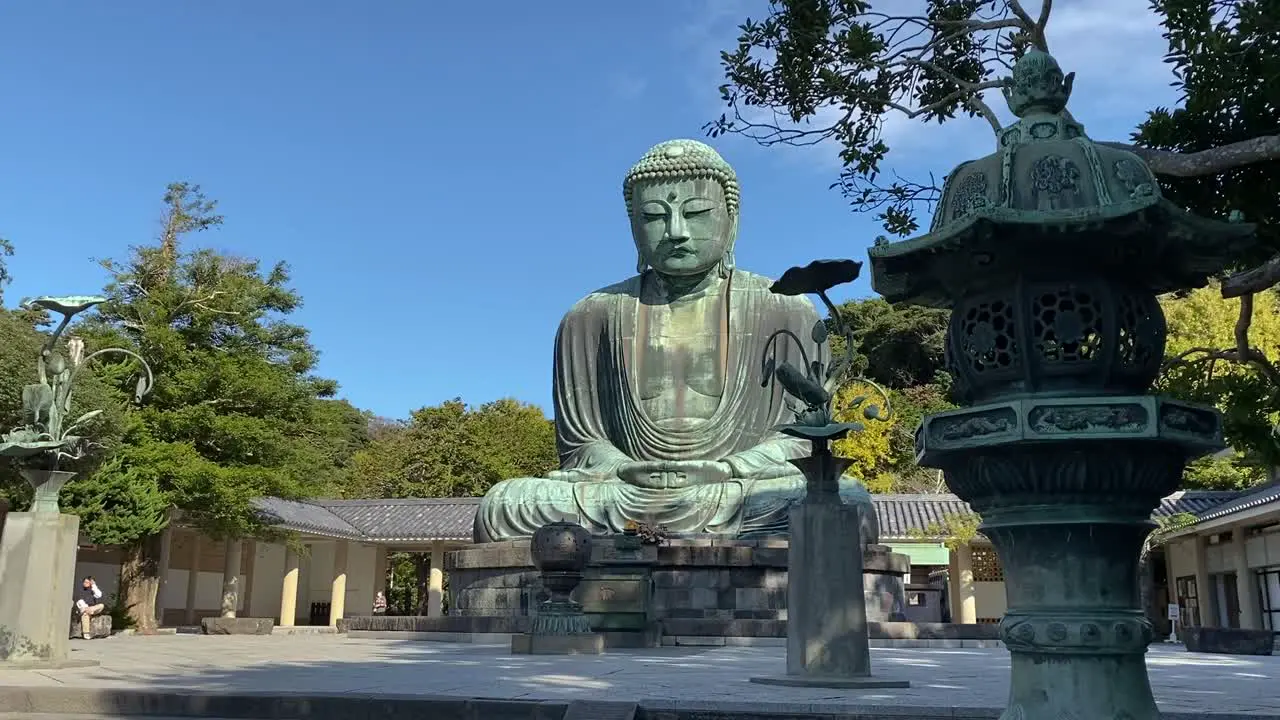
601	423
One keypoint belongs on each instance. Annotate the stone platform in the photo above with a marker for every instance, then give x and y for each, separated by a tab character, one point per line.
631	587
680	632
328	677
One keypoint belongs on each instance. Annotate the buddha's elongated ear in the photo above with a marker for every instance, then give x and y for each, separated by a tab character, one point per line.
641	263
727	260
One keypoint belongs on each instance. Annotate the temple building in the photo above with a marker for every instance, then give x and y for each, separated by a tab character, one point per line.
1223	570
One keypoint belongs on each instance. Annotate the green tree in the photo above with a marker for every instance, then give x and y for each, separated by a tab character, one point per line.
6	250
899	347
1200	323
834	70
236	413
452	450
1226	55
955	529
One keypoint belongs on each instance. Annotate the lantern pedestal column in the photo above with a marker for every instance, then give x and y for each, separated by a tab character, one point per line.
827	643
1066	488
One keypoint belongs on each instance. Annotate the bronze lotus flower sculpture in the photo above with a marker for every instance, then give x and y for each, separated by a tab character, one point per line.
815	385
46	438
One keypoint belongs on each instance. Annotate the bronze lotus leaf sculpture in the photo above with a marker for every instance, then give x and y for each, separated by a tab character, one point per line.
815	386
47	438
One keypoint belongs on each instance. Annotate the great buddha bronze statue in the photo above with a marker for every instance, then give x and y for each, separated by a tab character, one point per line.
660	413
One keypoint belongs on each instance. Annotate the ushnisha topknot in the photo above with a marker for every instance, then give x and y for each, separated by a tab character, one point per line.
683	160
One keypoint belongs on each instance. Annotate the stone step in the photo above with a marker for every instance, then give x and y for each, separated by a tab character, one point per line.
601	710
66	703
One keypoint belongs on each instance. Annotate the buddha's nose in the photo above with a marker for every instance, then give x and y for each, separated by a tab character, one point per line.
677	229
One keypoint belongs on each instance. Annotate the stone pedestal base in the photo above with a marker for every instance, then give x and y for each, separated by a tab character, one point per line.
818	681
827	623
37	587
579	644
628	586
236	626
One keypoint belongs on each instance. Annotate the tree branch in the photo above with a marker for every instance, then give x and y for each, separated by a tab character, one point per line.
1242	353
1213	161
1252	281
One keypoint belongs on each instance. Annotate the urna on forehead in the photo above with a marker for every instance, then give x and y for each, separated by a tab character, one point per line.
676	160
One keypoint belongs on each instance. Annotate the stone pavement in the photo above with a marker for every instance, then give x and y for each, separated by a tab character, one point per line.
970	677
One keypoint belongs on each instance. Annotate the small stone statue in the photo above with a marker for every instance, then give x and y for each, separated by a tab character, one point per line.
660	417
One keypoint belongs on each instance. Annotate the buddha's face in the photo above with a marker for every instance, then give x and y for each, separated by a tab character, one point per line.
681	227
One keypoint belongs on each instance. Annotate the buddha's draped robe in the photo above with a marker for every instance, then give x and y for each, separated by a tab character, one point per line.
603	347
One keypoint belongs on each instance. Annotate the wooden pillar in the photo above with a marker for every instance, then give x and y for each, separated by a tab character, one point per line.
338	592
289	589
380	570
166	559
1205	596
379	573
193	579
1246	587
231	578
250	555
964	589
435	582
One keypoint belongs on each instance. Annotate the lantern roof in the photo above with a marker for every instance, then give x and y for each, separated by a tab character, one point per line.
1050	196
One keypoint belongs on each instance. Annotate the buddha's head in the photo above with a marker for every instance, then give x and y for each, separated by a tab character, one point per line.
682	198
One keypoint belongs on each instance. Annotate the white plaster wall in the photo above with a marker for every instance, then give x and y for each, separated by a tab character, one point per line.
268	580
320	578
1180	556
1264	550
990	599
361	563
172	595
208	590
1218	558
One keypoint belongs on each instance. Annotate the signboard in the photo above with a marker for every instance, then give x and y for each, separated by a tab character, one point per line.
1175	612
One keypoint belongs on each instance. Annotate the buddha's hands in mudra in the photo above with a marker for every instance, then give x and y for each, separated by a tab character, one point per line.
668	474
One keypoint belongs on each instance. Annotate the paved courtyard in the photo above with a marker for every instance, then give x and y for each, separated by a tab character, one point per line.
331	664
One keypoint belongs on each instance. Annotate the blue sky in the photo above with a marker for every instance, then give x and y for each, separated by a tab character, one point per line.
443	178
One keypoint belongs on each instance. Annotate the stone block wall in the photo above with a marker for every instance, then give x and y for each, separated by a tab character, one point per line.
684	578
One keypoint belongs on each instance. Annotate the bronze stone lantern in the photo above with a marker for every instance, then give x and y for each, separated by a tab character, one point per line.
1050	254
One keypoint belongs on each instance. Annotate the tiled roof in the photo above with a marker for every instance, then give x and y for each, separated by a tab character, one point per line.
1251	498
901	516
423	519
407	520
1194	501
411	519
306	517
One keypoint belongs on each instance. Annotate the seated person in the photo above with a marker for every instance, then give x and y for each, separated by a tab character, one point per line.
88	604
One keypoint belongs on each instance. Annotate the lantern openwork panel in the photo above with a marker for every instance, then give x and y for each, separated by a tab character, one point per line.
1084	336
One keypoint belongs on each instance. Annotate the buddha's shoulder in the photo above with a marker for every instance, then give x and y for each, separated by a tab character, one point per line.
749	282
599	302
